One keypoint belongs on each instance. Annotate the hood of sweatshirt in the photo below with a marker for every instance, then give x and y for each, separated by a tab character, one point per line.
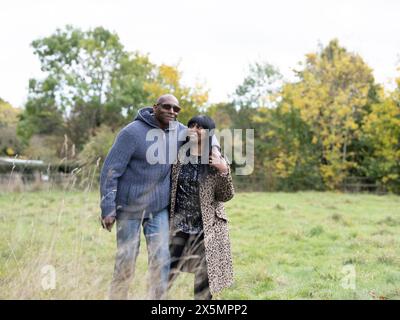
146	115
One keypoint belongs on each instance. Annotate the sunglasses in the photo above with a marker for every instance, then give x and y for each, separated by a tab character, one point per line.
167	106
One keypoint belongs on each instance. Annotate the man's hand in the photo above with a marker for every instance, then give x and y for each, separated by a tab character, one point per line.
108	222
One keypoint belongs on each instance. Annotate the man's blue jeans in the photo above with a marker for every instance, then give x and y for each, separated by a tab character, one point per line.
156	231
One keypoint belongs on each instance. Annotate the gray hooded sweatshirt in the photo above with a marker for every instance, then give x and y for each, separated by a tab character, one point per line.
131	187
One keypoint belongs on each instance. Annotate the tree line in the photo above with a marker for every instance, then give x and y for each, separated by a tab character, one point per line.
334	121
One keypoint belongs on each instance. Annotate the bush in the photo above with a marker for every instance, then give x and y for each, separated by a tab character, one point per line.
97	147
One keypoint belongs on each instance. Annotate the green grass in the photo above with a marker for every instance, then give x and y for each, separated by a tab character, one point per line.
285	246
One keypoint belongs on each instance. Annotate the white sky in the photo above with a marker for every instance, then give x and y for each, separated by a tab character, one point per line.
213	41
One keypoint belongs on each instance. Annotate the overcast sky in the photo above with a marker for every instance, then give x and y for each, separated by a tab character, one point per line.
213	41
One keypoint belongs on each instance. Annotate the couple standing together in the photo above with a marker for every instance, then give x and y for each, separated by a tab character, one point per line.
178	202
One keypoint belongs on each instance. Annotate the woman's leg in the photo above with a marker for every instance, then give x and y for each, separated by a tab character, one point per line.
176	249
201	284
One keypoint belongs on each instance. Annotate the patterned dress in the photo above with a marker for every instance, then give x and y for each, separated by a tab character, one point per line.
188	212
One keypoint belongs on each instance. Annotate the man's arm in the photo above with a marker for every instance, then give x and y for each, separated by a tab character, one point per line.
114	167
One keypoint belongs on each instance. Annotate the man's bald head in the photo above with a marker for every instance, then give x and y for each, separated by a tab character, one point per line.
166	110
167	99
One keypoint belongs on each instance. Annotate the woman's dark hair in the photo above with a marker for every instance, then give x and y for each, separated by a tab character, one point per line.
206	123
202	121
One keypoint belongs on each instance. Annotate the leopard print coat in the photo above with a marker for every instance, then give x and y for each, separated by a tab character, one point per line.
214	190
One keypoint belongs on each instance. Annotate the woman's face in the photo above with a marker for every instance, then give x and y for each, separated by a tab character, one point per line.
196	133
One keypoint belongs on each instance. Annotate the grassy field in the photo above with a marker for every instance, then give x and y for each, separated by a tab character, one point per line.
305	245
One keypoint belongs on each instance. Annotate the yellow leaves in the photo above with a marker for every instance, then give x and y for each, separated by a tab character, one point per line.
311	58
199	96
258	119
261	116
350	124
372	117
168	80
343	111
170	75
154	89
314	140
10	152
285	107
280	165
296	144
390	177
382	131
331	95
333	174
8	114
327	171
285	163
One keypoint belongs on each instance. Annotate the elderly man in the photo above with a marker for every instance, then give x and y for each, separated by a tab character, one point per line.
136	192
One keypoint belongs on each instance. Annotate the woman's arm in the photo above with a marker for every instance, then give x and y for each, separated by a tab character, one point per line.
224	190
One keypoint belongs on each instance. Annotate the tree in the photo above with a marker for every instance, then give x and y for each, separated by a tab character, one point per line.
81	63
258	87
224	114
78	68
333	95
128	92
97	147
167	79
382	133
251	106
41	115
48	148
90	81
9	142
8	114
289	157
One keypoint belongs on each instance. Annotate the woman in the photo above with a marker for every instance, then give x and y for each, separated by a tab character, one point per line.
199	243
